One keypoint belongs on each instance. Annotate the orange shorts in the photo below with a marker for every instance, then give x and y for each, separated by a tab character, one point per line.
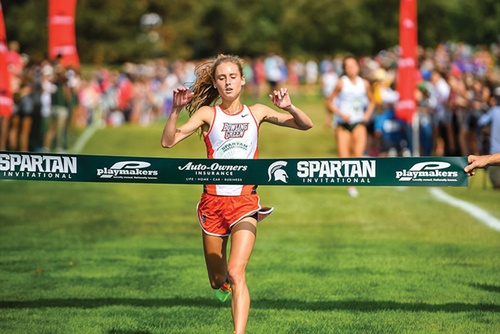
218	214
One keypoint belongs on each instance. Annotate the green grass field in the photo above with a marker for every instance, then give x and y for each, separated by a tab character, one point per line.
127	258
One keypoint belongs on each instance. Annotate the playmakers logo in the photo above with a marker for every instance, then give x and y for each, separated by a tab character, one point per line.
128	170
428	171
34	166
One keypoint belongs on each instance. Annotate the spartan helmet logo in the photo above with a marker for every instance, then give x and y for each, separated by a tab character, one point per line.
276	170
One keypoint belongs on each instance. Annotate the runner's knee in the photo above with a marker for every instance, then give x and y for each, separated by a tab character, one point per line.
236	274
217	281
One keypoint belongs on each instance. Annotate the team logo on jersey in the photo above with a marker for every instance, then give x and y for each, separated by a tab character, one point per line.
234	130
275	171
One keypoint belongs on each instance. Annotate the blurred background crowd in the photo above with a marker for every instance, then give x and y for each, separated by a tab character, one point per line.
458	87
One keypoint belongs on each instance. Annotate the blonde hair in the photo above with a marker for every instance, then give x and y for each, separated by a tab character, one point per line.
204	92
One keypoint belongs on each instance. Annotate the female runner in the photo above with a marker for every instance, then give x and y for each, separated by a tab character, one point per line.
230	130
352	103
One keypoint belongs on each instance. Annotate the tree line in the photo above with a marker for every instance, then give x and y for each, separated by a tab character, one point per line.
116	31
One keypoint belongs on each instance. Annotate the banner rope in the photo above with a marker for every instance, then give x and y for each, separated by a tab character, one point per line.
400	171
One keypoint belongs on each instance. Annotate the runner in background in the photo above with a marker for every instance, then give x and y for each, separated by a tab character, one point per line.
353	111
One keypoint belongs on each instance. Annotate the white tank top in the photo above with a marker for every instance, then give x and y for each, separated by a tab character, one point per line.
232	136
352	99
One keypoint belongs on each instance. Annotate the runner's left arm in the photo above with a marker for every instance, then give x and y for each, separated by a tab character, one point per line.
294	118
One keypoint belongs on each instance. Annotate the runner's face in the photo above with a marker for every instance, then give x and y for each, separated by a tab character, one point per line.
351	67
228	80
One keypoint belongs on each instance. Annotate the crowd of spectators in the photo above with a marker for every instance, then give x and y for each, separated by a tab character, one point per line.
456	89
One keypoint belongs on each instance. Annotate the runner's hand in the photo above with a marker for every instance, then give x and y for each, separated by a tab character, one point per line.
281	98
475	161
181	97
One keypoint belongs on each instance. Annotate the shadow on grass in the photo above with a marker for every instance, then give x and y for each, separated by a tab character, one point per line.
280	304
486	287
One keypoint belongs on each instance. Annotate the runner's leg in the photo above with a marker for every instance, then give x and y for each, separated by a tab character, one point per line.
243	237
214	248
343	142
359	138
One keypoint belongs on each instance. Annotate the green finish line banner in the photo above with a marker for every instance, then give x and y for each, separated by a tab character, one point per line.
422	171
